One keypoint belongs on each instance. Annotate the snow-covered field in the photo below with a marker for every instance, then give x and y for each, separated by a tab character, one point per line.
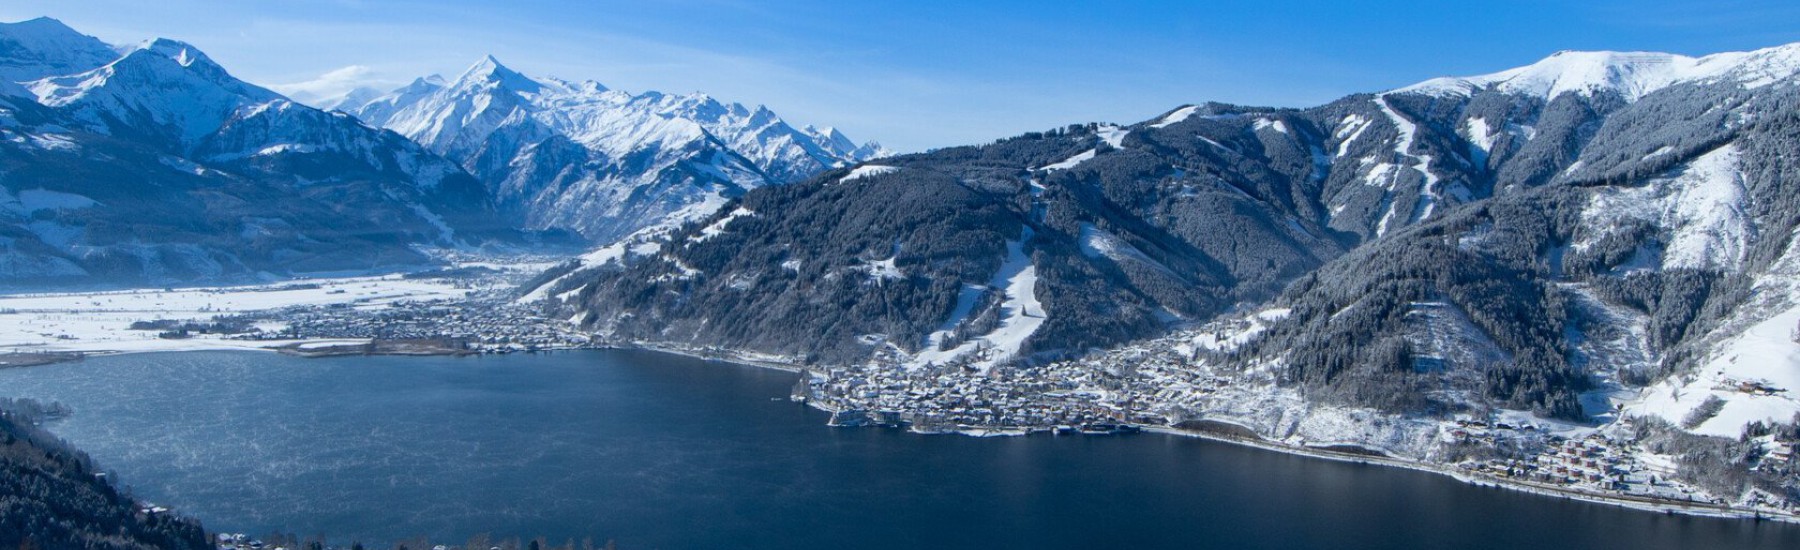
867	171
1763	356
100	321
1070	162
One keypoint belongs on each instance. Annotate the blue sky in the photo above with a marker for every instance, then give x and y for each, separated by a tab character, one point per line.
922	74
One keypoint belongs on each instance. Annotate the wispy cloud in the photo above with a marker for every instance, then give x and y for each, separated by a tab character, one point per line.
334	84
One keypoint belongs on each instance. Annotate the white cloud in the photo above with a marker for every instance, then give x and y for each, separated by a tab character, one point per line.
332	86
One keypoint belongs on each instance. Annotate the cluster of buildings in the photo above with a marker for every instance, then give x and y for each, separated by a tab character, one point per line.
956	398
1596	463
494	325
1164	384
1107	394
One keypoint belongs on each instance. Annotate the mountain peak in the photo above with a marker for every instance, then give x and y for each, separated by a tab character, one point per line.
484	66
425	82
44	30
181	52
176	86
488	65
44	47
43	25
490	70
351	100
837	140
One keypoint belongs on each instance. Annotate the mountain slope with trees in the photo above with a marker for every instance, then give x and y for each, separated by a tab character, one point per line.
1507	206
52	496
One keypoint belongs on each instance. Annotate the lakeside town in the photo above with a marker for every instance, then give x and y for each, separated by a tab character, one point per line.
1163	385
1121	393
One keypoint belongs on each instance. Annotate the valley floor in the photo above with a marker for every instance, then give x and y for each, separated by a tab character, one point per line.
471	302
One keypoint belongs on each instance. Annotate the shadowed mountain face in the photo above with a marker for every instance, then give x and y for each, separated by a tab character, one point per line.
1650	183
156	166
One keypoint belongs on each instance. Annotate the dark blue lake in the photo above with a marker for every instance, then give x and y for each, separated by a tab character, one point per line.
661	451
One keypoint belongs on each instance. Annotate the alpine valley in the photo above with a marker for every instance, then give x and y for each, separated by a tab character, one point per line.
1576	277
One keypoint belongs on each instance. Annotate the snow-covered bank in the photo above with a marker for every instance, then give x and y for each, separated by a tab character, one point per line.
1472	478
1363	437
101	321
752	359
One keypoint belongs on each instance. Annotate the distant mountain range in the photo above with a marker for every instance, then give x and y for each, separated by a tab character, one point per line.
151	164
606	163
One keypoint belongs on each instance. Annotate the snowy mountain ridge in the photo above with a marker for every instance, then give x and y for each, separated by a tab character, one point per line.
1597	246
163	82
604	162
1631	74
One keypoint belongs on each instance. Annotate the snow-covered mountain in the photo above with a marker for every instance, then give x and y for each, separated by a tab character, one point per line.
606	163
1599	241
163	88
1632	75
152	164
1612	228
1595	230
381	105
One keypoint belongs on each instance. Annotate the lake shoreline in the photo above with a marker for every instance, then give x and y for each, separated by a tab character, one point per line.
1635	503
764	361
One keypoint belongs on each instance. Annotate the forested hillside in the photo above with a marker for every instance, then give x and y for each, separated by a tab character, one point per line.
53	497
1462	242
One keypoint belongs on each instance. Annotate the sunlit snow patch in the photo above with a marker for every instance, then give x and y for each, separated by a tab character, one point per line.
867	171
718	228
1177	116
1071	162
1755	373
1113	135
1098	243
1270	123
1701	206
